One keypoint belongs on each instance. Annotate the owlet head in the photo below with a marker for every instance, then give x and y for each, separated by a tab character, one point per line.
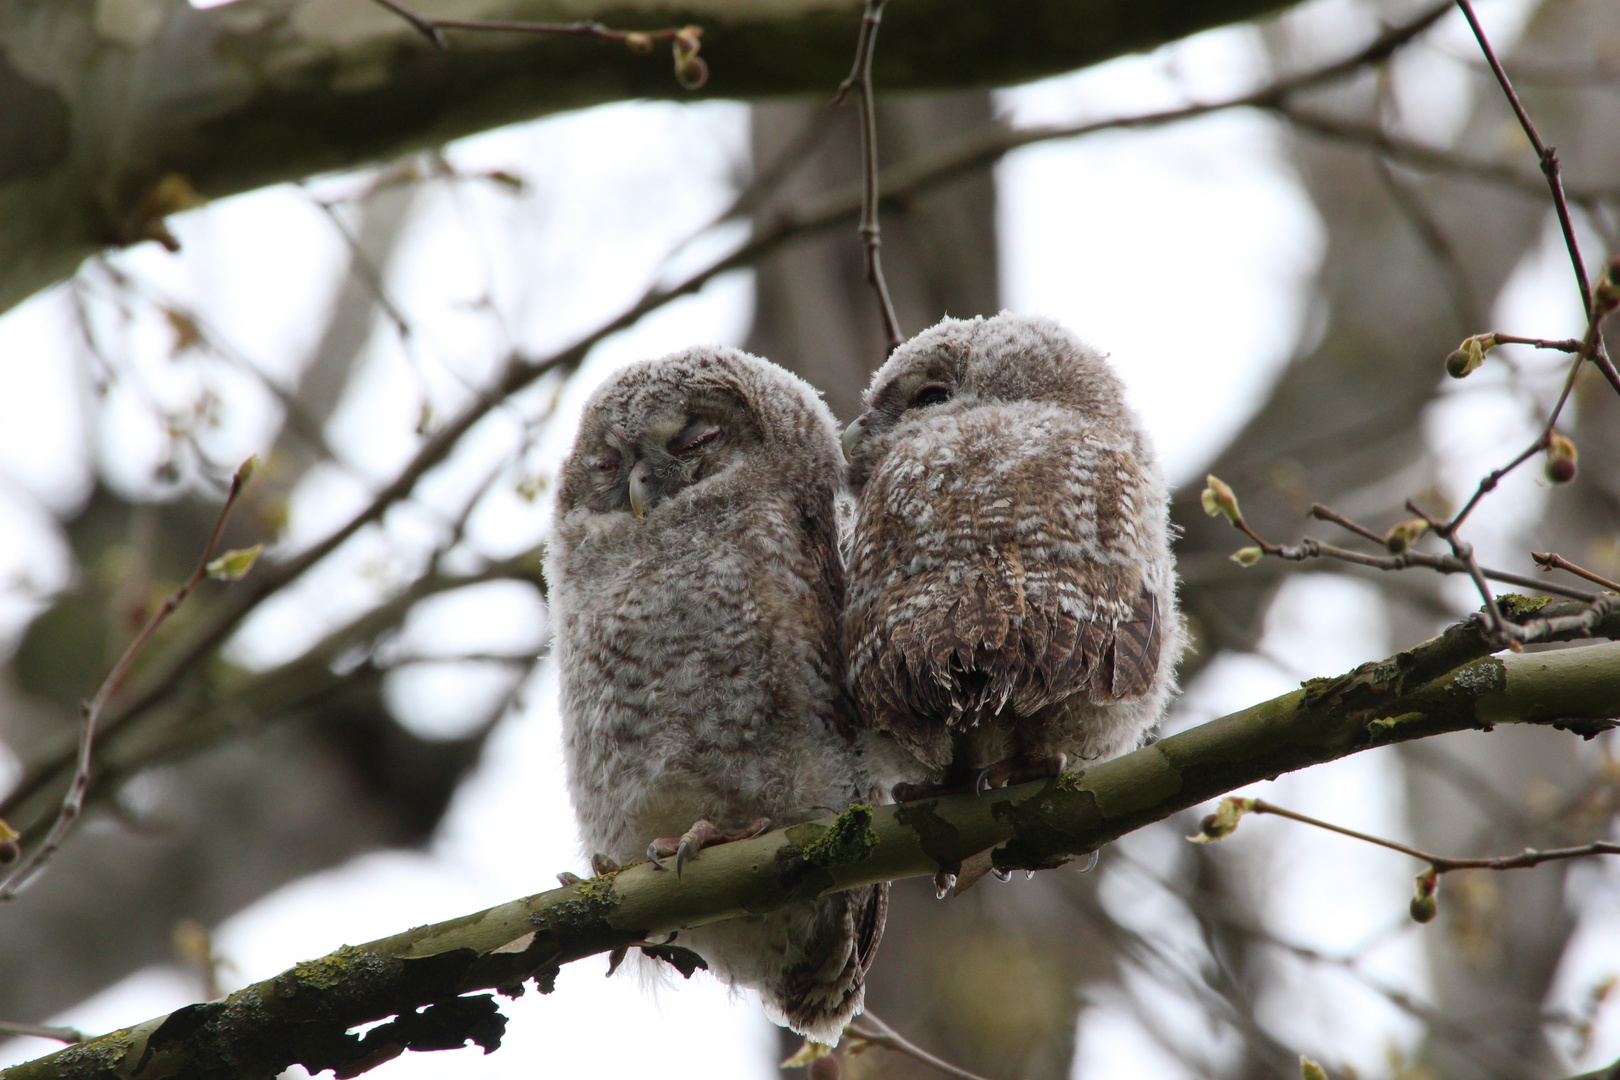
963	364
662	427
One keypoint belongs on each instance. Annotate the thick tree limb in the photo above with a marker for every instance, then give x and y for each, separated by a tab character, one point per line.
303	1015
103	104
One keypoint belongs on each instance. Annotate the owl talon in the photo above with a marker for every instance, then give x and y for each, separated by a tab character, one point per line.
683	851
566	879
693	840
702	834
995	776
943	884
1001	875
602	864
615	958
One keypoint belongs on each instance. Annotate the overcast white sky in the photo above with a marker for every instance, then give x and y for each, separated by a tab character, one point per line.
1094	232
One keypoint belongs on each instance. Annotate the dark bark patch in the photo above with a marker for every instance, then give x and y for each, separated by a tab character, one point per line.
33	126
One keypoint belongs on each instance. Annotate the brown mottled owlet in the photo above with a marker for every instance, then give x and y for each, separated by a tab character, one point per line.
1012	597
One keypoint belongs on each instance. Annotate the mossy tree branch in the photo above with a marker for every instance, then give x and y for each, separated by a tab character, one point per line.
304	1014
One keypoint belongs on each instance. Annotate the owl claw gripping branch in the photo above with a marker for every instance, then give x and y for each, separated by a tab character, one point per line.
1012	598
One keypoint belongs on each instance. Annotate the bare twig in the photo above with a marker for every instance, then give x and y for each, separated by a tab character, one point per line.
41	1031
690	69
871	233
1547	155
73	801
1569	345
1442	864
1580	624
1463	551
367	271
1310	548
873	1031
1551	560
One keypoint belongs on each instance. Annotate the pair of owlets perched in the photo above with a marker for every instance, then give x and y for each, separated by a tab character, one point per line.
1008	604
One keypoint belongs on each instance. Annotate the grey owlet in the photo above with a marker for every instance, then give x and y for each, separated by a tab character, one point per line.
1012	596
695	590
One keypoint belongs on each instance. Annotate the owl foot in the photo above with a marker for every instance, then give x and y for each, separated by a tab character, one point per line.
1019	770
702	834
600	864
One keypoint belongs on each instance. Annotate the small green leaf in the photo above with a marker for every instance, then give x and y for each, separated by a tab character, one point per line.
235	564
1219	499
1224	821
1247	556
1400	537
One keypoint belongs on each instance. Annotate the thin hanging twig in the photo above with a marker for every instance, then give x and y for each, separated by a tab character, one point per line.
1551	560
881	1034
1547	155
1440	864
73	801
871	233
690	69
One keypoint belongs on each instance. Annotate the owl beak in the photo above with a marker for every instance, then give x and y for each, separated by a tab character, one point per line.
640	489
853	435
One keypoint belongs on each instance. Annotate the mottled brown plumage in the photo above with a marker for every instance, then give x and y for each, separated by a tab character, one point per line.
696	591
1011	588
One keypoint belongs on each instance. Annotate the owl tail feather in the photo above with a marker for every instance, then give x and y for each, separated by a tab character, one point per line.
819	1000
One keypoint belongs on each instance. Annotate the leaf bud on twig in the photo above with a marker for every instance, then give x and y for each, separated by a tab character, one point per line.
1224	821
1469	355
235	564
10	849
1424	905
1247	556
691	71
1607	295
1310	1070
1561	455
1218	499
638	42
1400	537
